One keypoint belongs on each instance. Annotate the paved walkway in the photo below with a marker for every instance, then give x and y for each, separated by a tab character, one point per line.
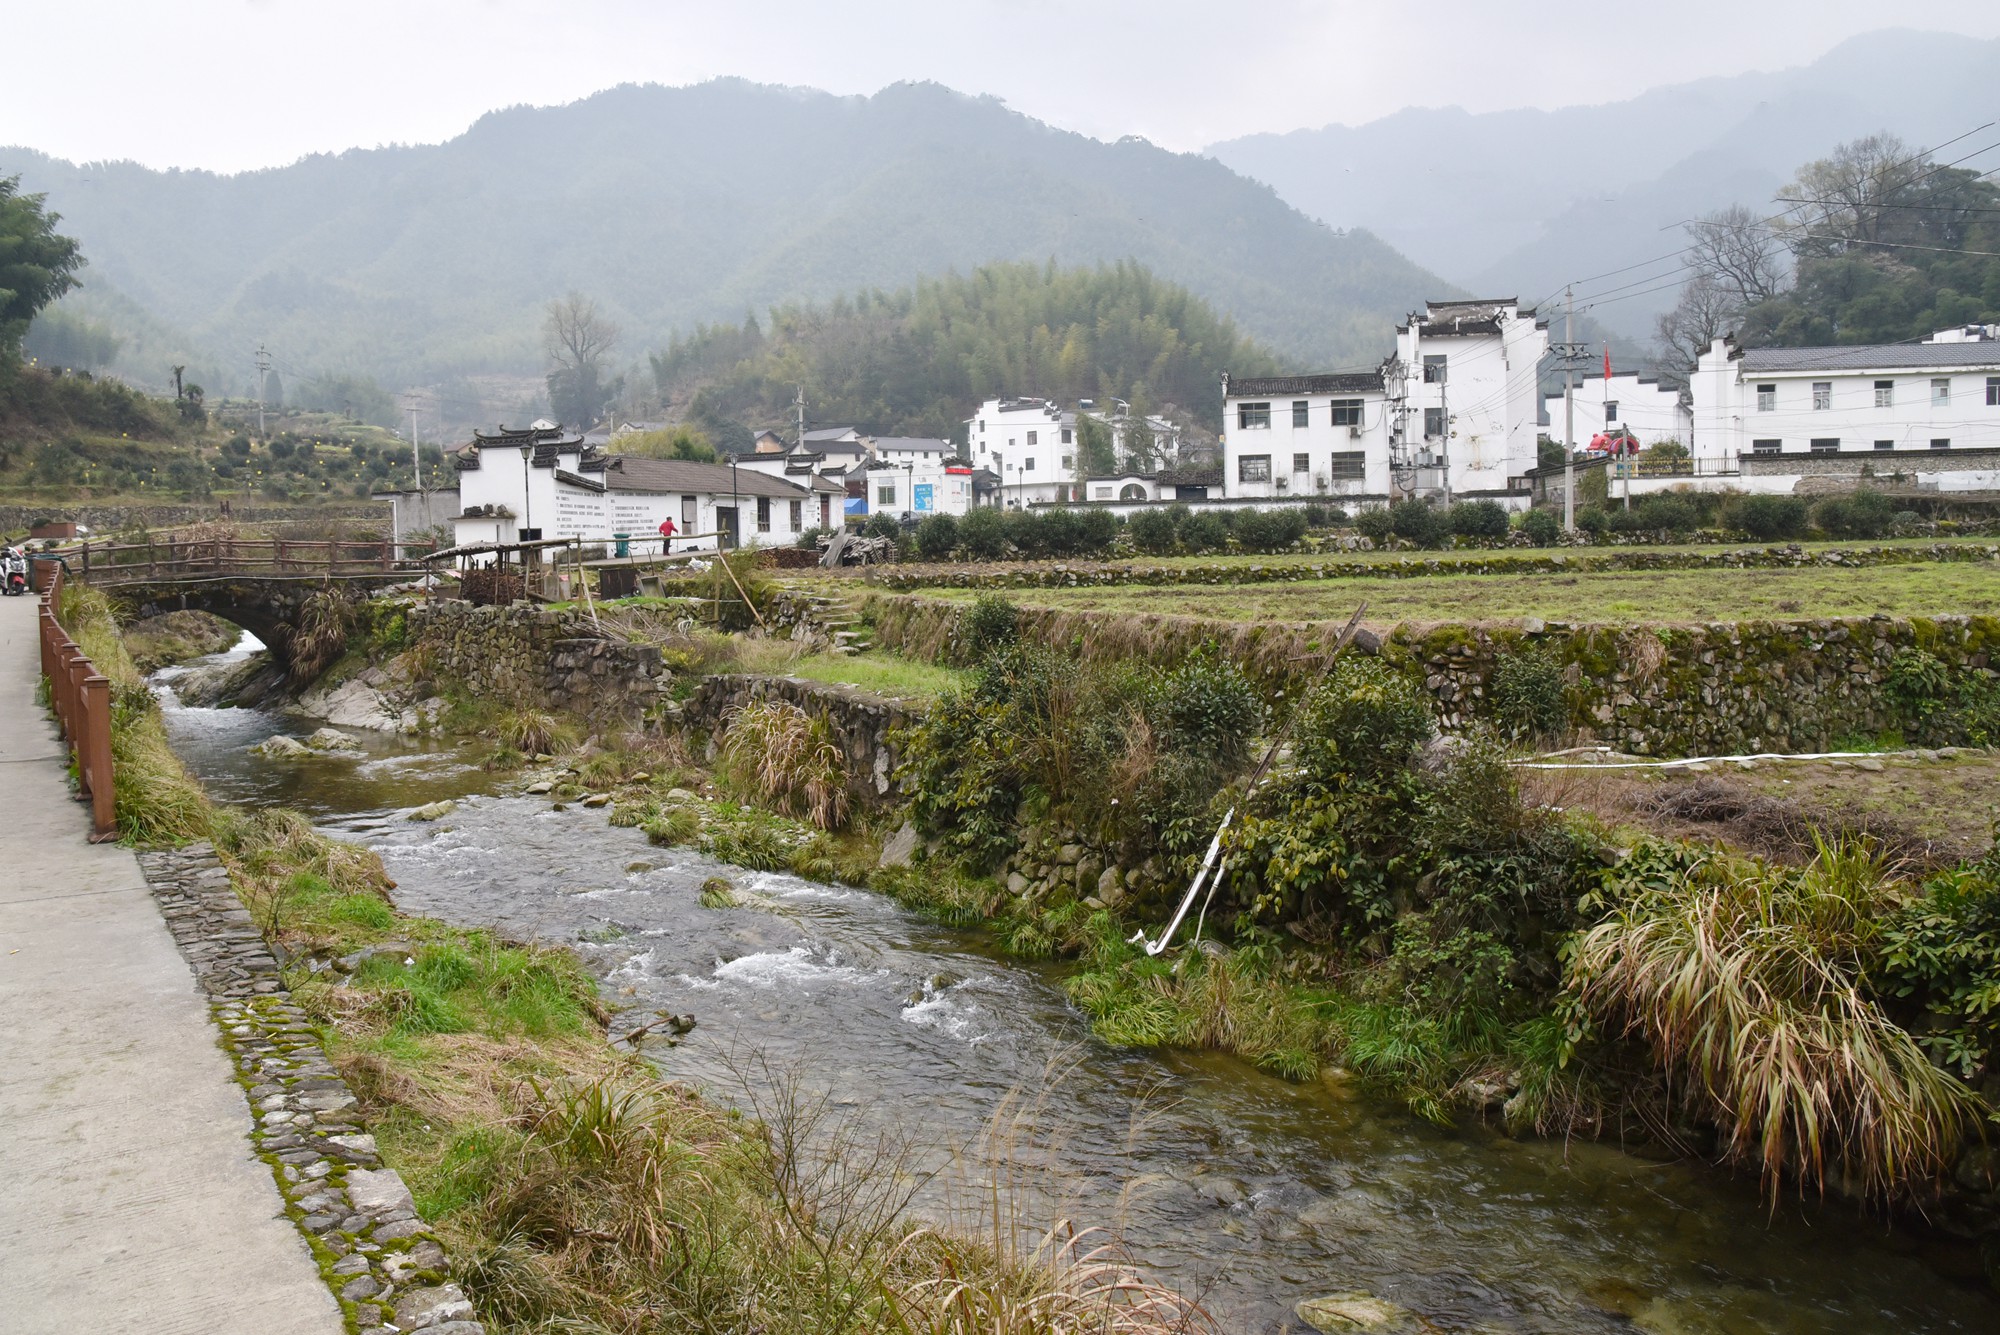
129	1198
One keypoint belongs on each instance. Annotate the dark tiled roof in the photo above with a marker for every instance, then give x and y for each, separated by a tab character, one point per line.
587	483
1873	357
1336	382
629	472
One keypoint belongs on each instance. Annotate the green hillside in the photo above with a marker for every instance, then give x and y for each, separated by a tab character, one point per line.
673	207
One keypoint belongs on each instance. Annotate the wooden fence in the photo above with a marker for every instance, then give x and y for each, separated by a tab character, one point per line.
80	695
171	559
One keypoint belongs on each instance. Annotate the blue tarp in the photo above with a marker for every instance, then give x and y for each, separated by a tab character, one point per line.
856	505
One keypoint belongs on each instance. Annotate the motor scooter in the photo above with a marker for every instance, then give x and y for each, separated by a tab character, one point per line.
13	572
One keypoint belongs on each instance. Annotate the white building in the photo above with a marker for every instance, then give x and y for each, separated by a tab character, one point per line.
1926	412
540	482
1029	444
1641	405
919	489
1307	436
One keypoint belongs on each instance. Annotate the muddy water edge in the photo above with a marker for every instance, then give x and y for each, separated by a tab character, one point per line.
1224	1180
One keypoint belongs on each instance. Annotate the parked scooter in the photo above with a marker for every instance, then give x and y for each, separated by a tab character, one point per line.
13	572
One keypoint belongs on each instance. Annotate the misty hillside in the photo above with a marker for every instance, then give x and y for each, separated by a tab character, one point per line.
1524	201
677	206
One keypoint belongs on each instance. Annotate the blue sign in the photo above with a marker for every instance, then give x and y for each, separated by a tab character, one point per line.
923	490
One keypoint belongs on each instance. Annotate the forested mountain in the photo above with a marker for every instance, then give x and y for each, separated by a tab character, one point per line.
675	206
912	362
1521	202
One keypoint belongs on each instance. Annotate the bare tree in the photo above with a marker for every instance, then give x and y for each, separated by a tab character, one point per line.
577	340
1738	251
1708	308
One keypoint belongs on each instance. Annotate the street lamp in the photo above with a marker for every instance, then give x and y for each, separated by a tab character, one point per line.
735	505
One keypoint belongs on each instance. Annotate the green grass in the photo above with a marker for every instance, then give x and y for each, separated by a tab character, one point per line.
879	672
1609	597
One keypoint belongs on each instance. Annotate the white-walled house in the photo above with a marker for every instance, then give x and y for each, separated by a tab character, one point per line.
919	489
1650	411
1029	444
541	482
1927	412
1307	436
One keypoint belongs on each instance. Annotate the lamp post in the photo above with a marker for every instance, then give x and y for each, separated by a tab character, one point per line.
735	505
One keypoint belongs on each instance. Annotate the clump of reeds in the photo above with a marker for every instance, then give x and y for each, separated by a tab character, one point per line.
788	760
319	633
532	732
1746	980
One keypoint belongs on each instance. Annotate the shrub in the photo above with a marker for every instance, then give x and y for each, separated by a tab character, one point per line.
990	623
1941	953
1478	519
1374	525
881	525
1865	514
1666	514
1364	720
1206	532
1096	531
1542	528
1153	532
1766	518
1318	516
1419	522
1025	530
1527	693
983	534
937	535
1594	520
788	759
1269	530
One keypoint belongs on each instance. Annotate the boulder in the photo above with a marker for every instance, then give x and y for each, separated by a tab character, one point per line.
378	1192
282	748
1339	1313
434	810
352	704
902	846
422	1309
1111	886
333	742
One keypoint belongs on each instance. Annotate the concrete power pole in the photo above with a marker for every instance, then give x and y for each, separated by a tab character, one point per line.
1569	356
263	372
799	405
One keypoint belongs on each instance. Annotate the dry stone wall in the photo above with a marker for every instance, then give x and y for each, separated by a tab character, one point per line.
534	656
863	724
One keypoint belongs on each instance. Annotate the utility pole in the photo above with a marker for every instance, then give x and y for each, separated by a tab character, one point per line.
416	455
799	405
263	372
1444	429
1569	356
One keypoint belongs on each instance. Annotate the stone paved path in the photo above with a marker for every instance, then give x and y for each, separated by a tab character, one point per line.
129	1197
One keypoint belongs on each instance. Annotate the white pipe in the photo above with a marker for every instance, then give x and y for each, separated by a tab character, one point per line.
1705	760
1207	862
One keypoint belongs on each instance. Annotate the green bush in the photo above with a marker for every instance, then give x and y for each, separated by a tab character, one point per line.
1096	531
1865	514
881	525
1269	530
1419	522
1206	532
1941	955
937	536
990	623
1153	532
1527	693
1363	720
1026	532
1060	531
1478	519
1594	520
983	534
1766	518
1375	525
1542	528
1658	514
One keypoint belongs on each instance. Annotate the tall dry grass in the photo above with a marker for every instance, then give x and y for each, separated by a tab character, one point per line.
1746	980
789	760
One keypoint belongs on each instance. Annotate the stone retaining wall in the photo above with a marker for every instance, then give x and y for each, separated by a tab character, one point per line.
863	724
387	1270
1724	687
537	657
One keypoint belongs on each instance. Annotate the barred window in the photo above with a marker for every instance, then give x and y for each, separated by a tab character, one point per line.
1349	466
1253	468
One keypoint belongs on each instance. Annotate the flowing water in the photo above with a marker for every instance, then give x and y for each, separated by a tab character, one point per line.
1225	1181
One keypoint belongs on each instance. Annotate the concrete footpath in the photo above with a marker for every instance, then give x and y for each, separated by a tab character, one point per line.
130	1200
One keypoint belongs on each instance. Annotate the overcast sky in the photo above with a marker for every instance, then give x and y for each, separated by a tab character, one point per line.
236	84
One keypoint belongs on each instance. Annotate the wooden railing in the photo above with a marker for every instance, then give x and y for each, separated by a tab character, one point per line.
170	559
80	695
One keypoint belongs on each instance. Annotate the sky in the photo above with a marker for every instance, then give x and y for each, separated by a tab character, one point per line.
232	85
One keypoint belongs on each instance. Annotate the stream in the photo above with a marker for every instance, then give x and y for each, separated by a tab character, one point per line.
1229	1183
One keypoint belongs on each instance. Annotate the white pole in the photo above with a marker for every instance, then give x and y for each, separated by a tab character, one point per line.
1569	418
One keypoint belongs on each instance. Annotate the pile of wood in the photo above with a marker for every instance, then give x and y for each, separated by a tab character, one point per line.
845	549
491	586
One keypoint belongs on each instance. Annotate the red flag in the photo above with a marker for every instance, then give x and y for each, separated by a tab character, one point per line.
1607	363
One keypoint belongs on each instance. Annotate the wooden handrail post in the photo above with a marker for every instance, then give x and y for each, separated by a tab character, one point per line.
94	757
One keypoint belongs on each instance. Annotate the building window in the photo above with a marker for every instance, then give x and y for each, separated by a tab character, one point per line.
1823	445
1941	392
1347	412
1434	370
1028	464
1822	395
1940	442
1993	391
1068	436
1611	412
1033	436
798	516
1349	466
1101	493
1302	463
1433	422
1767	398
1068	461
1301	413
1766	446
1885	393
1253	416
1885	444
885	494
1253	468
763	514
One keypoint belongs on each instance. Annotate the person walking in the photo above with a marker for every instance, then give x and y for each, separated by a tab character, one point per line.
667	536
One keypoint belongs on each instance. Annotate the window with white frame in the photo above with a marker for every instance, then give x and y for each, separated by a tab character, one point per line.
1941	392
1885	393
1822	395
1348	466
1347	412
1767	398
1253	416
1826	445
1253	468
885	494
1033	437
1766	446
1301	413
1302	463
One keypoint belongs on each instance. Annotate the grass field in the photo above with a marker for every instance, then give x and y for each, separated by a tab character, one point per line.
1610	597
883	674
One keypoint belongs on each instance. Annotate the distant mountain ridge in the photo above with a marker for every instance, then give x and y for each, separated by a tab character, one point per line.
1524	201
673	206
